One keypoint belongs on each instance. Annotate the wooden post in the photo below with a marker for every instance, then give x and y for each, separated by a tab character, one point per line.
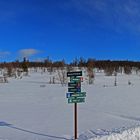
75	121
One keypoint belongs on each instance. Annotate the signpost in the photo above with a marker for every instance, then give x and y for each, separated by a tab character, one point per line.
77	79
74	84
77	94
76	73
74	89
76	100
74	94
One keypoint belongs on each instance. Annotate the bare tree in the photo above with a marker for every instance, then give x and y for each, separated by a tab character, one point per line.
115	82
90	66
109	71
127	70
62	76
9	69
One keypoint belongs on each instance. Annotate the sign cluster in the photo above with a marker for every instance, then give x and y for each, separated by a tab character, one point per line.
75	95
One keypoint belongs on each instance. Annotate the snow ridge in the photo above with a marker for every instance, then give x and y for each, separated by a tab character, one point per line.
115	134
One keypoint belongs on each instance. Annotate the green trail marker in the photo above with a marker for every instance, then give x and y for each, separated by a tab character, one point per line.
75	79
76	100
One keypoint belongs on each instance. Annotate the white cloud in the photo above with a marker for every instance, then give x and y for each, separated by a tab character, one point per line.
120	15
4	53
28	52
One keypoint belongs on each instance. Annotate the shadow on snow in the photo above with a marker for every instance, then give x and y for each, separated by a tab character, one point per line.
28	131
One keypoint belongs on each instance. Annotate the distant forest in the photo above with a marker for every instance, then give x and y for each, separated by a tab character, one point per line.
107	65
18	69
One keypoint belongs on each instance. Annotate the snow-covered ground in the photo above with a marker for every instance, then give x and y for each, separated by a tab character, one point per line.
32	109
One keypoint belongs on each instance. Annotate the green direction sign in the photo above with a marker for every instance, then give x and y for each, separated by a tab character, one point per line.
76	73
79	94
75	79
72	84
76	100
74	89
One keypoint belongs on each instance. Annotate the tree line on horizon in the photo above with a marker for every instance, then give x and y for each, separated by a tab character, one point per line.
108	66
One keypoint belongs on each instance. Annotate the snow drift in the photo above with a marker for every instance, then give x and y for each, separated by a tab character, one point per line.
116	134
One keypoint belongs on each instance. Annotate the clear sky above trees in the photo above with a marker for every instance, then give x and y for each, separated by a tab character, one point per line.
66	29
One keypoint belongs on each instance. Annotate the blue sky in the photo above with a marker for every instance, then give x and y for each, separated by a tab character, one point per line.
68	29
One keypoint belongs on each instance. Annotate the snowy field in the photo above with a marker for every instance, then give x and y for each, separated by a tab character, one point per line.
32	109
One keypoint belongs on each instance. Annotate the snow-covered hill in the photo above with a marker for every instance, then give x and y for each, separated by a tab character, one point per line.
33	109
